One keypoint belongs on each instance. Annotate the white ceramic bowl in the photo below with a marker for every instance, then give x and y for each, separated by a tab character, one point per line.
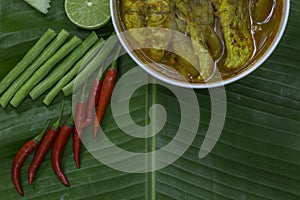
247	70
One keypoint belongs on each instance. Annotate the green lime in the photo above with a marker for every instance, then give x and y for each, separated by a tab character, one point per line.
88	14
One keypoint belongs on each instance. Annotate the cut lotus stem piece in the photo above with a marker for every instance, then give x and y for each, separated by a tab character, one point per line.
40	5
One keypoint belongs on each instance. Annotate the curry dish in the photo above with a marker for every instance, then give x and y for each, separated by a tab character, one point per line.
227	35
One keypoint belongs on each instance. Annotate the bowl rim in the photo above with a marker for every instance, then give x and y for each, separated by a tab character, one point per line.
242	74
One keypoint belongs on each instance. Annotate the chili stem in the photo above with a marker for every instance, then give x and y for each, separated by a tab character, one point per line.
43	70
29	57
56	124
45	55
72	73
37	139
64	67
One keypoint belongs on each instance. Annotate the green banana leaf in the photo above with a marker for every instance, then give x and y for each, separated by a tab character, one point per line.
256	157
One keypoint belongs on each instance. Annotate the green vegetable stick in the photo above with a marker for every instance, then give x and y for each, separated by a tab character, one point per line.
72	73
63	67
30	56
43	70
91	67
45	55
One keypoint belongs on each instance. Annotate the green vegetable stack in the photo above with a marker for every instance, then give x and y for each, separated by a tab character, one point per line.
52	64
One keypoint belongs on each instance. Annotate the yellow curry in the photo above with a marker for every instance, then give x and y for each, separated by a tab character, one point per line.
225	34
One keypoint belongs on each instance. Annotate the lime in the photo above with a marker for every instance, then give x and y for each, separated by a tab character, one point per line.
88	14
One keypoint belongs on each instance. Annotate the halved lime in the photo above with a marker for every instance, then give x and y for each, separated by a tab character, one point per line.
88	14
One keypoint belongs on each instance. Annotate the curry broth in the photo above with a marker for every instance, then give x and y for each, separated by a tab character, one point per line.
262	34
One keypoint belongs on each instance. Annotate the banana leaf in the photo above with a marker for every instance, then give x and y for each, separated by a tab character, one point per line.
256	157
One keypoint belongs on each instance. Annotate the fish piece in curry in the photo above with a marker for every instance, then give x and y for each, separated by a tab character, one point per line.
235	21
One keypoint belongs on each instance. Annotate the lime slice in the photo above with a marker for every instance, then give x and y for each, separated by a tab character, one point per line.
88	14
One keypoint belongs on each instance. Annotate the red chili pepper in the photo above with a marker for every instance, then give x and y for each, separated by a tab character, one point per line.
105	94
98	83
93	100
44	146
21	156
80	115
58	147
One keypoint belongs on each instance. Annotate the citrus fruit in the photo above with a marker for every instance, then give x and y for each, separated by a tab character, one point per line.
88	14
